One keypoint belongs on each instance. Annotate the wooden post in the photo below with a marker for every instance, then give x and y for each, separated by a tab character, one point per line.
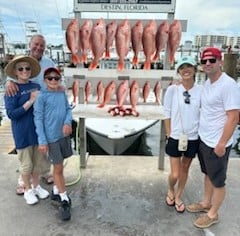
162	146
82	142
230	65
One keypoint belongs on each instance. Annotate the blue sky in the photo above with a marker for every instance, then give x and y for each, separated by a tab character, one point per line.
204	17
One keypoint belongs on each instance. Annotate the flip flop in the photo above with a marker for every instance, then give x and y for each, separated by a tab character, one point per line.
170	201
20	190
180	207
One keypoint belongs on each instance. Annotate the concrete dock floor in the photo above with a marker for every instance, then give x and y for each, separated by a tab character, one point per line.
116	196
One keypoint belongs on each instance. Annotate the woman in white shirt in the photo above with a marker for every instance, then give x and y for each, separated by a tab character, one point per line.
182	112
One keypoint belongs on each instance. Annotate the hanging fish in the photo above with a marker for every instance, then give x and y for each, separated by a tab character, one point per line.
84	33
98	42
134	96
136	39
72	40
161	38
108	93
146	91
149	42
100	91
175	34
123	40
111	33
88	88
157	92
75	92
122	92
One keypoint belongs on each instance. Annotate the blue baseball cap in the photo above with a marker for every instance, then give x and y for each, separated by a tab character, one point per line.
186	60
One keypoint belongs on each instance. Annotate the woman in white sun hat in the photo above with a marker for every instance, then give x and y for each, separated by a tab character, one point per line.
19	109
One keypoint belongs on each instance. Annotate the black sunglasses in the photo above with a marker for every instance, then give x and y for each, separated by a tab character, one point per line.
24	68
56	78
212	60
187	97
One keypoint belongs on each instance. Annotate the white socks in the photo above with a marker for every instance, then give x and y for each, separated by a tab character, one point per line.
64	196
55	189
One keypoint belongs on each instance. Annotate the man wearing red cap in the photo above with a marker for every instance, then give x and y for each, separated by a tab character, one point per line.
219	114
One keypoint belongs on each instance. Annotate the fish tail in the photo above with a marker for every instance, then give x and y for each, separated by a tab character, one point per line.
75	59
93	65
84	58
107	54
120	66
155	58
147	65
171	59
135	60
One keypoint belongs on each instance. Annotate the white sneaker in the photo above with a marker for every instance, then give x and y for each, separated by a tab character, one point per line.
40	192
30	197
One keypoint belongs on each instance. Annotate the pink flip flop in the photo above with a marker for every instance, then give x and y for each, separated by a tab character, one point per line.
20	190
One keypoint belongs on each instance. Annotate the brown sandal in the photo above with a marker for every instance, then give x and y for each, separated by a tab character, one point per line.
180	207
170	201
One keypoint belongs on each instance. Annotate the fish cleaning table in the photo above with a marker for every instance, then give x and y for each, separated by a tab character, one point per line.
147	111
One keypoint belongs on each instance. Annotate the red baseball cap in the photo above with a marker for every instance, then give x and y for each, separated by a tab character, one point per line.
211	52
50	69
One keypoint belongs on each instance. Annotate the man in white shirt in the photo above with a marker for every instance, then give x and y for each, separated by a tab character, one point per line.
219	114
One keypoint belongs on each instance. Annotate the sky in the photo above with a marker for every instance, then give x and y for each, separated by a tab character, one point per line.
218	17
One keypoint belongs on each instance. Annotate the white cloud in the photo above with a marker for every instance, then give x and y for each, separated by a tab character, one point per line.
204	17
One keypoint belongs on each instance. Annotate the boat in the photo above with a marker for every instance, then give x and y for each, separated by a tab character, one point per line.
115	136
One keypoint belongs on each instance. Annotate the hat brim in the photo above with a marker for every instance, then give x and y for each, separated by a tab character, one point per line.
51	69
34	64
185	62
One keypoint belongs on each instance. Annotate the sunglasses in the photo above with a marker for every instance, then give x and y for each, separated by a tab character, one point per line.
212	60
24	68
56	78
187	97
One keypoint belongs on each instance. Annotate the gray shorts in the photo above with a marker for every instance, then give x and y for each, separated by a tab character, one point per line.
213	166
59	150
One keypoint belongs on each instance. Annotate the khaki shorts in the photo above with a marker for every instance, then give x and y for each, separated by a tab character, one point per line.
30	160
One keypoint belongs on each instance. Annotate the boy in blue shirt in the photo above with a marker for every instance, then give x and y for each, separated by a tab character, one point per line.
53	120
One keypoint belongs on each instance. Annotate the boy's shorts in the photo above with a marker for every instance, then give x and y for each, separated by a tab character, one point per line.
60	150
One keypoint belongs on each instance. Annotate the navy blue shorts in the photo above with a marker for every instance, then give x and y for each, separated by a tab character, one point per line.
213	166
172	148
60	150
